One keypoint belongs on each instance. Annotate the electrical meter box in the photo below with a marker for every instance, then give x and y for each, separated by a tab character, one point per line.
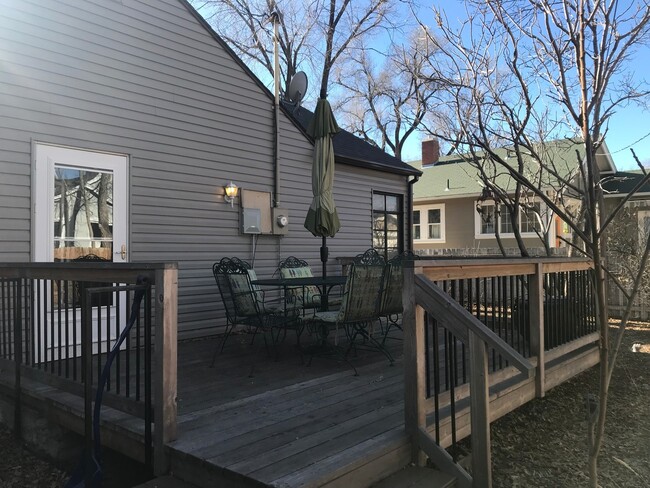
280	221
256	212
251	221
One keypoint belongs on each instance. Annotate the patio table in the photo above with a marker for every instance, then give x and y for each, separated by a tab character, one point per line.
321	347
323	283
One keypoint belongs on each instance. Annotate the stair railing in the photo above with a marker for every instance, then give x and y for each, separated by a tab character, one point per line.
421	296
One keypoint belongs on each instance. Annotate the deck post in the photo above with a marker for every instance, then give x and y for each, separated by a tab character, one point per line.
166	371
480	413
414	370
536	320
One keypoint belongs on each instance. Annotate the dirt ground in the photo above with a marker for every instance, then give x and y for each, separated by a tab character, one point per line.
21	468
541	445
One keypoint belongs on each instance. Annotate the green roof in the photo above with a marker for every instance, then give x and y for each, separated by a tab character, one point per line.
623	182
456	176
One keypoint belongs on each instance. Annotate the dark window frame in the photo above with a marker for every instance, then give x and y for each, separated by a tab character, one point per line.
382	233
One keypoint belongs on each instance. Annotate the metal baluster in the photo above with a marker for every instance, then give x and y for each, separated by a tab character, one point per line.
127	366
137	359
436	375
75	305
467	304
452	397
147	387
66	299
118	327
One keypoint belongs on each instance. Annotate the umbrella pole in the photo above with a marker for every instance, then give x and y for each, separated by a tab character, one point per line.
324	256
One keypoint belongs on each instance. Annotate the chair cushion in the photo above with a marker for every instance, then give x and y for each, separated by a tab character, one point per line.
391	299
360	299
302	272
303	296
243	295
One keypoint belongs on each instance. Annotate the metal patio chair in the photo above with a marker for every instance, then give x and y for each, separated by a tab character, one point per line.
370	257
390	302
243	302
302	297
358	312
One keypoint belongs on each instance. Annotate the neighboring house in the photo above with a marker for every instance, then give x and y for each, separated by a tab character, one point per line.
446	197
619	185
627	237
145	95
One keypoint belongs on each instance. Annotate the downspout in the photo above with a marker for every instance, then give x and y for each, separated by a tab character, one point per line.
409	218
276	111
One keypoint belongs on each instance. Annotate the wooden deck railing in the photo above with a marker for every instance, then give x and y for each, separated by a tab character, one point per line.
467	322
58	321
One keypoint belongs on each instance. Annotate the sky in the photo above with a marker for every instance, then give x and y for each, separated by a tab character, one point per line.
629	127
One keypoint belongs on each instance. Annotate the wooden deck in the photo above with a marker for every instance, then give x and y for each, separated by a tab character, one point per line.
255	421
283	423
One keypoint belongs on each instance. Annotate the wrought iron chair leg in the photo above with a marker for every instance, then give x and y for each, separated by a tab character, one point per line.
391	322
254	334
363	332
219	348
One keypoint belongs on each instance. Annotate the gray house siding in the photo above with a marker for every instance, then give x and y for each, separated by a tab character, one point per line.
147	80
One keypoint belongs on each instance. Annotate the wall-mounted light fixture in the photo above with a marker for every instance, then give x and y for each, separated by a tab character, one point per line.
231	192
447	187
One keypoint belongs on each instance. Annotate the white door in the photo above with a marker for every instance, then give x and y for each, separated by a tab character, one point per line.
80	212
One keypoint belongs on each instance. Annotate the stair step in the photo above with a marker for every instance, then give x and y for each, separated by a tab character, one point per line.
415	477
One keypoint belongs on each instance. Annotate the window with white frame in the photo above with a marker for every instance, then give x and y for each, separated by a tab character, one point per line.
429	223
505	222
488	218
529	218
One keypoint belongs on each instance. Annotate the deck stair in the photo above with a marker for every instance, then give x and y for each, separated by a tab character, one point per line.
415	477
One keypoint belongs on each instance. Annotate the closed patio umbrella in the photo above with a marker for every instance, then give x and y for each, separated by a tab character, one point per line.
322	219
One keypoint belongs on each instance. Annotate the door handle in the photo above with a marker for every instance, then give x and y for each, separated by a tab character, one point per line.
122	252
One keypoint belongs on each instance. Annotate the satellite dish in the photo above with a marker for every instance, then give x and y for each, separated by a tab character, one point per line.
297	87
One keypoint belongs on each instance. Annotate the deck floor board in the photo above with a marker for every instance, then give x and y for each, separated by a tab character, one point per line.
315	415
288	416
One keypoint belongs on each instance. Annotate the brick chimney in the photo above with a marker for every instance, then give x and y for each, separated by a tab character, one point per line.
430	152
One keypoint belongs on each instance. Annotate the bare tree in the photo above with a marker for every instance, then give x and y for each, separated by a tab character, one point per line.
527	71
386	104
245	26
313	34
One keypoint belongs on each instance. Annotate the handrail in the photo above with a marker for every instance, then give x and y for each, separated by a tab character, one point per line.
467	302
450	269
164	278
460	321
